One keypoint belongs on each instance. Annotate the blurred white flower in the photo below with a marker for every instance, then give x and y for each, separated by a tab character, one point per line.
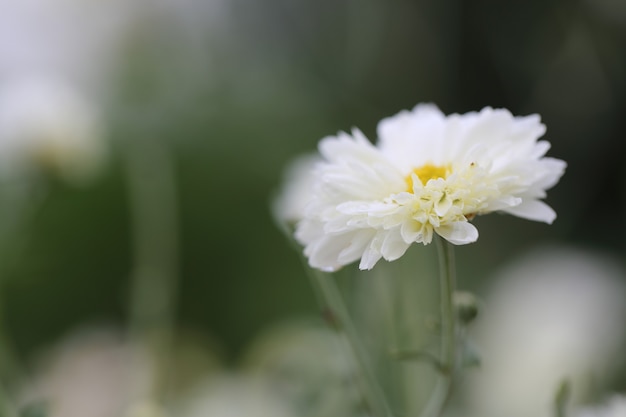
293	370
310	368
555	314
233	396
615	407
428	174
289	206
47	124
94	374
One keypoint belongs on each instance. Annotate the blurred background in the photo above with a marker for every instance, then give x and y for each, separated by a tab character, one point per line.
203	103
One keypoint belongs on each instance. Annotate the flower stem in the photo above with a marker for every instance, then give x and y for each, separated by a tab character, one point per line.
336	313
340	317
447	284
154	225
19	201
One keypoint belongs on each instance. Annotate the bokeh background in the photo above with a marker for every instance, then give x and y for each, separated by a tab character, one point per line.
233	90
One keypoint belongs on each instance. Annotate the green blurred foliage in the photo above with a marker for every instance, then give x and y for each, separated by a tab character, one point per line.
280	75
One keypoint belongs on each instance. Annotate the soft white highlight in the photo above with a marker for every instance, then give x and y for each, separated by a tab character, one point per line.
290	204
48	124
94	373
614	407
554	314
233	396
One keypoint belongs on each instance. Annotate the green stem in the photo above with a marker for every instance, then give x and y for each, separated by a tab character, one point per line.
447	284
336	312
154	225
333	302
19	201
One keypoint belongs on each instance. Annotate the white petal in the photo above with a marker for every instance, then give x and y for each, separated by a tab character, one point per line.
290	205
307	231
366	207
337	148
443	205
410	230
355	250
413	138
502	203
540	149
555	169
533	210
369	259
394	246
324	253
458	233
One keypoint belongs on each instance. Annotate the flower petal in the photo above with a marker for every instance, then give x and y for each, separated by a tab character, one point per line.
393	246
369	259
533	210
458	233
358	243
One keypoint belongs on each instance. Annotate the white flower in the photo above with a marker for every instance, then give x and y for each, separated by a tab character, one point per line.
233	396
45	123
428	174
310	368
95	373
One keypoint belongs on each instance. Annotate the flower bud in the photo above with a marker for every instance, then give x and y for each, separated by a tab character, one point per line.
466	306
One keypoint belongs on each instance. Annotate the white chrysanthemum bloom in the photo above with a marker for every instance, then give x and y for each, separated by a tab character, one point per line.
46	124
615	407
428	174
553	315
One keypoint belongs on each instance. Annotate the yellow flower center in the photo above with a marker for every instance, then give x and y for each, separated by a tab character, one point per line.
427	172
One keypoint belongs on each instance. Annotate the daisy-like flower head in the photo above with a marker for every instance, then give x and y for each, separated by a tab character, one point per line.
427	174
